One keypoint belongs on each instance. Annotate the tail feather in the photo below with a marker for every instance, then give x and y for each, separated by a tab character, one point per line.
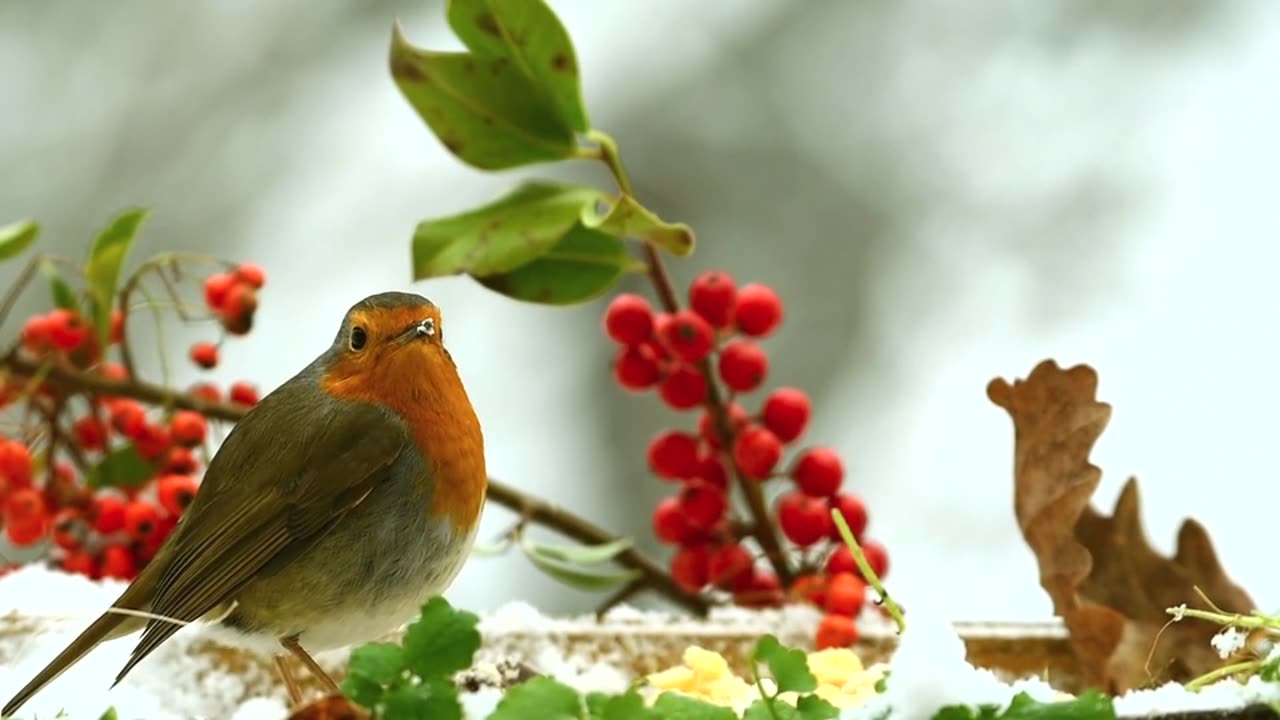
109	626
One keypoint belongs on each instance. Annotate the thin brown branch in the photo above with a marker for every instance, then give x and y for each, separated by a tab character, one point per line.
619	597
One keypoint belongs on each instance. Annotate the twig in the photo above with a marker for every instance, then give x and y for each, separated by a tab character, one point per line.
872	578
766	535
619	597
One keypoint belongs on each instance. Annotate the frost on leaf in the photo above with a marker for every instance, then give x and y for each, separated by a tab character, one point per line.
1107	583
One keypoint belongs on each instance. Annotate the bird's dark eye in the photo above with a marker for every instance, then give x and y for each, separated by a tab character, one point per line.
358	338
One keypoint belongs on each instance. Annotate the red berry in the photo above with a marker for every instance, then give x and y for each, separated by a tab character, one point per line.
846	594
23	534
689	567
113	371
180	461
811	589
836	631
689	337
684	388
204	354
117	562
703	505
669	523
188	428
90	433
803	519
243	393
36	336
629	319
116	333
238	308
760	589
26	519
758	311
152	442
252	275
127	417
743	365
674	455
175	492
841	561
712	296
712	471
205	391
81	563
877	557
818	472
141	519
854	513
756	452
216	288
786	412
67	330
108	514
636	368
69	529
737	418
728	564
15	462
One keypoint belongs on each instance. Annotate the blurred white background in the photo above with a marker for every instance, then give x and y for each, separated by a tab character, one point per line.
942	193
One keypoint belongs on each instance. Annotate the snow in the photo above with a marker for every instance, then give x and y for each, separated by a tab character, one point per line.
1228	642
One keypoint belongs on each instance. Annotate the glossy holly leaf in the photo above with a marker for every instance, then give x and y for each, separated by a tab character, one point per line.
576	577
122	467
441	641
582	266
541	698
16	237
626	217
503	235
674	706
381	662
583	554
529	34
63	296
435	697
102	271
483	109
789	668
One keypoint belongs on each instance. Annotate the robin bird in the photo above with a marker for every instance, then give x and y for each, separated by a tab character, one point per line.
337	506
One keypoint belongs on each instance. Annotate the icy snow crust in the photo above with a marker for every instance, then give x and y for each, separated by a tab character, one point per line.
928	669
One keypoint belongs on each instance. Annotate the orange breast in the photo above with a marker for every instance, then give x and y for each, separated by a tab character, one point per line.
420	383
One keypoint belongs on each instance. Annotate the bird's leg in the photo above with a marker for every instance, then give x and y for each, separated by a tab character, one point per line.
291	644
295	695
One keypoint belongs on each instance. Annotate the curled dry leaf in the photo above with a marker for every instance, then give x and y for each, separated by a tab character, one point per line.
1106	582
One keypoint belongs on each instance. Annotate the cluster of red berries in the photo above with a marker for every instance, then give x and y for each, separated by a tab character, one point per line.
135	469
681	354
232	297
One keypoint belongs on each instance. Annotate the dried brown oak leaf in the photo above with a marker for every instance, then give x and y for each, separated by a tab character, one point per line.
1108	585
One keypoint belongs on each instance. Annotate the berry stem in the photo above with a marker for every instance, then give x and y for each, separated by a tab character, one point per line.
872	579
72	381
765	531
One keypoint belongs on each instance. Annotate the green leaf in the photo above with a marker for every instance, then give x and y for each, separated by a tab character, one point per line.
541	698
16	237
441	641
63	296
674	706
380	662
362	691
626	217
812	707
627	706
790	668
883	683
483	109
107	257
435	698
110	714
531	36
1092	705
575	577
122	467
583	554
582	266
763	709
503	235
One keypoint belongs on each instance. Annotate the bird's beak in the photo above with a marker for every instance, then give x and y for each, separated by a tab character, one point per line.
420	330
